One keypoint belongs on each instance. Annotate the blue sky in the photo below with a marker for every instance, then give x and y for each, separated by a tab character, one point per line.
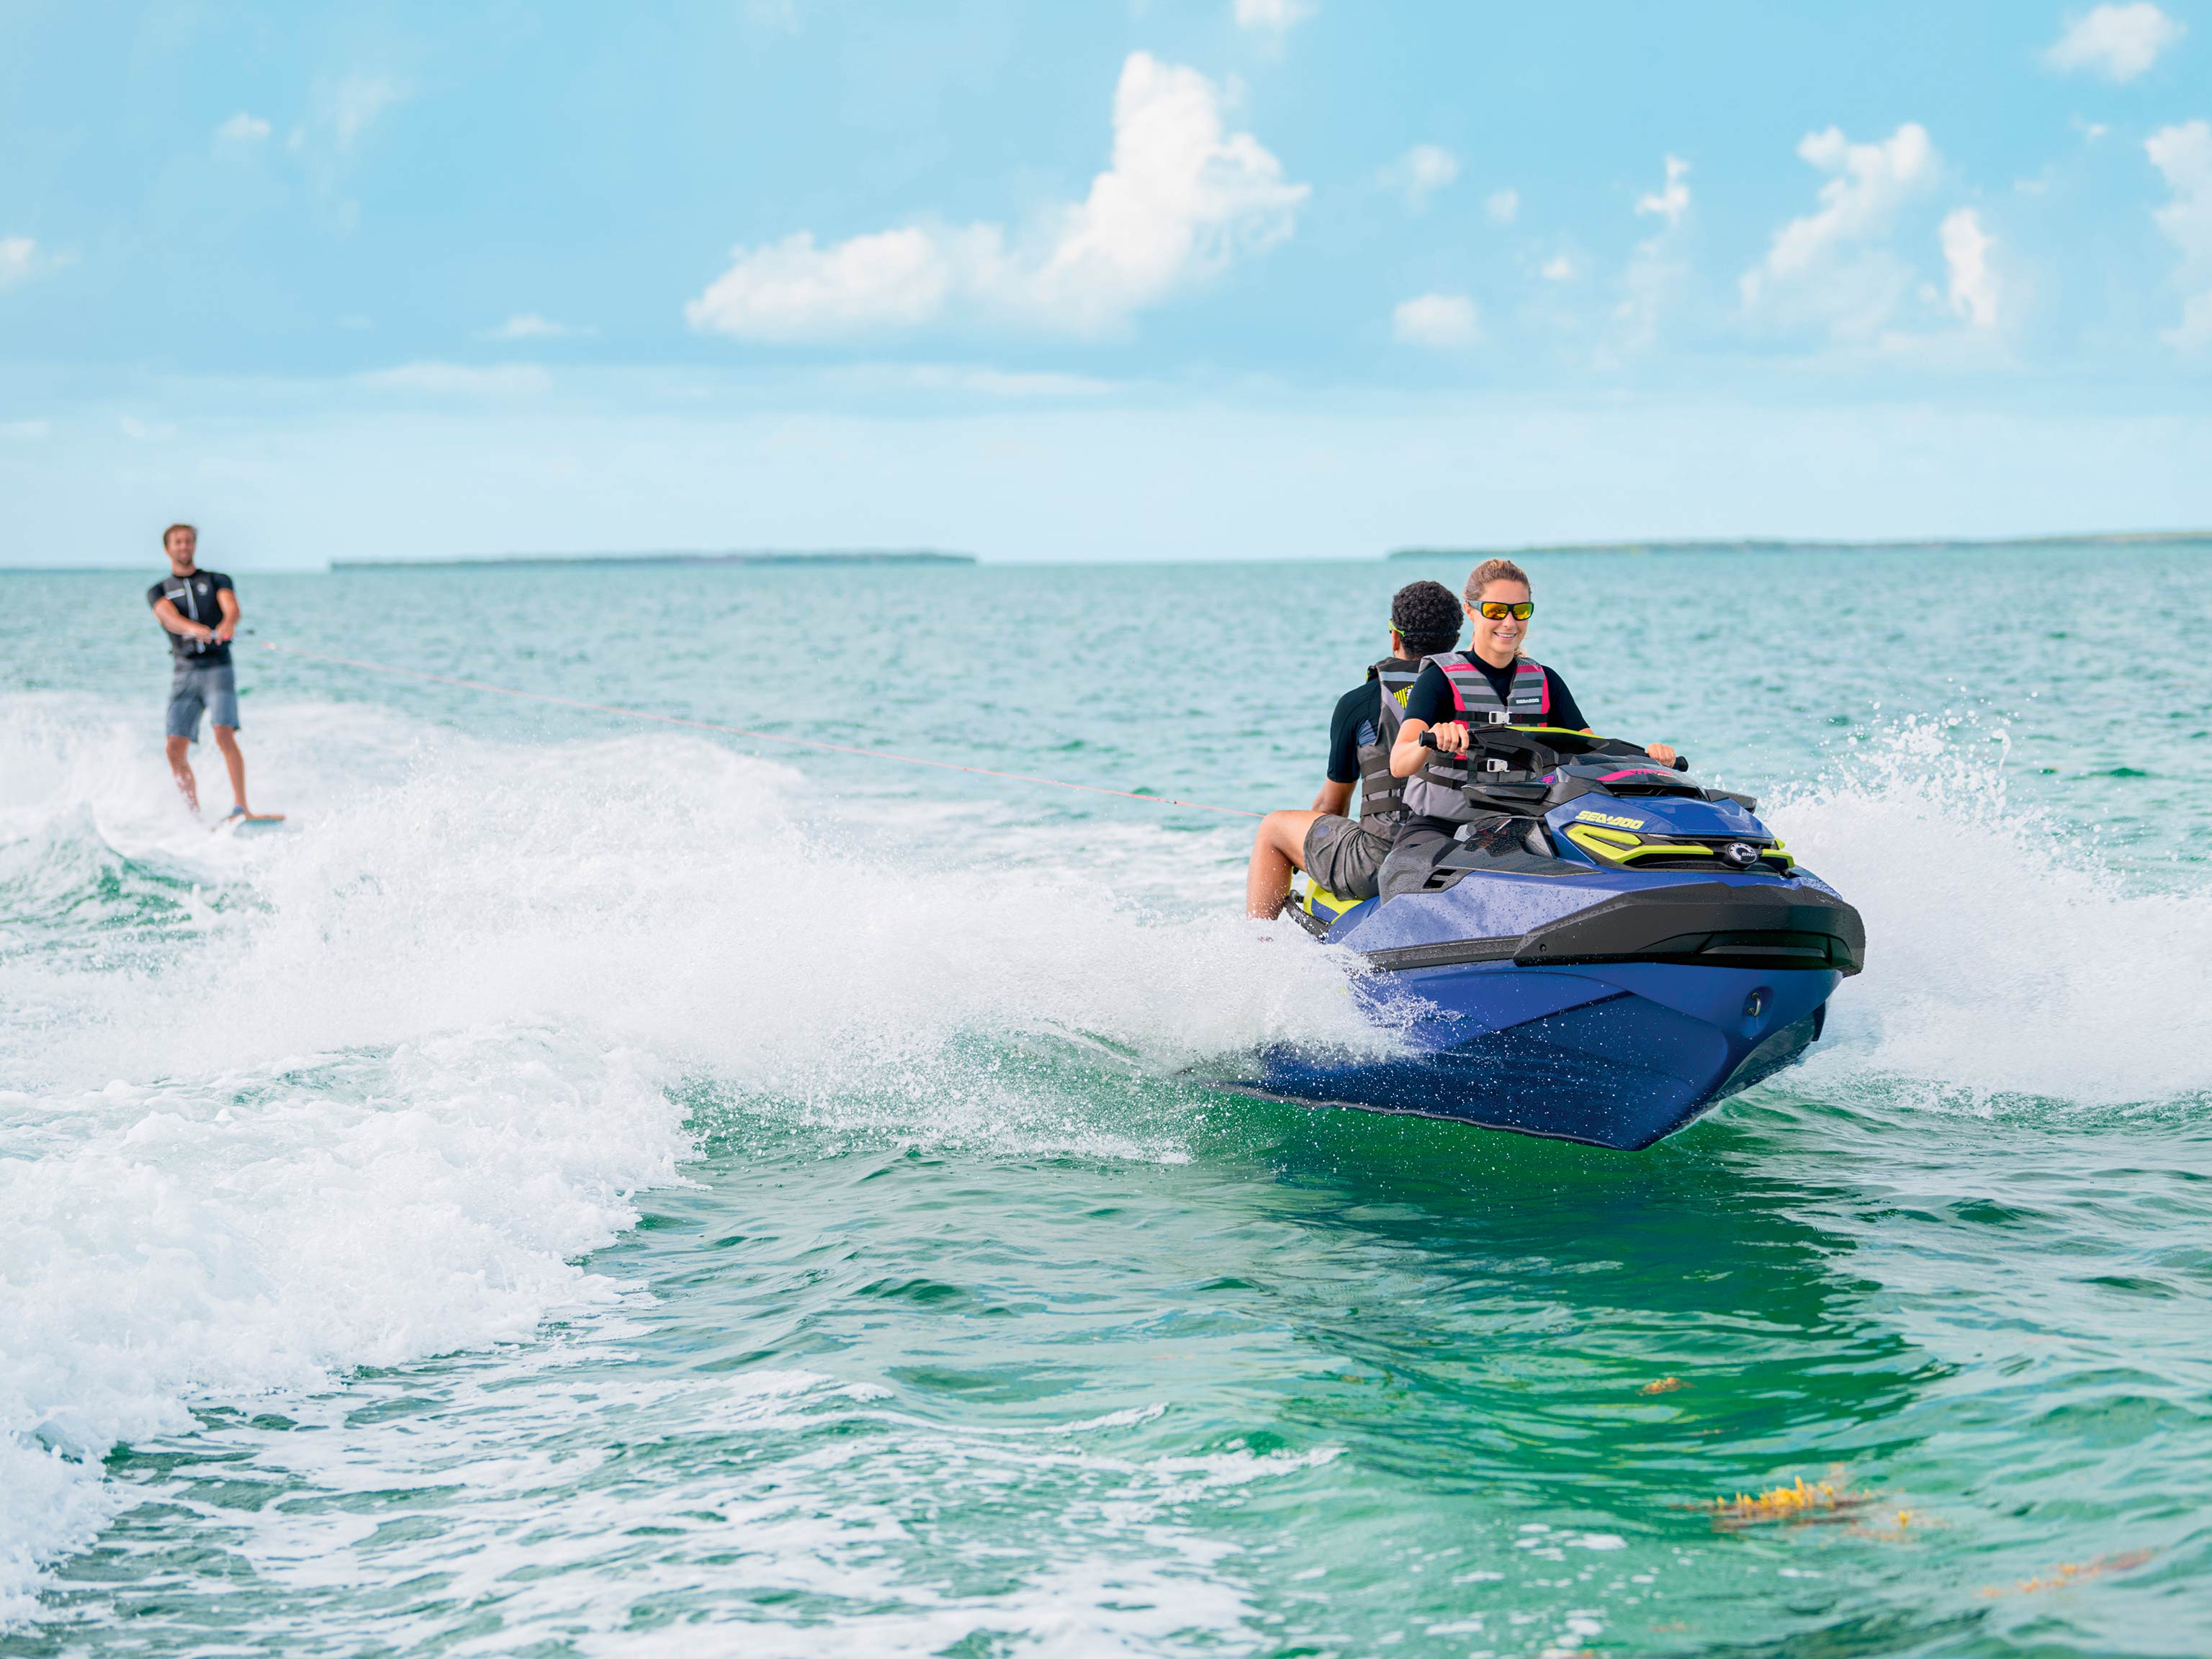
1176	279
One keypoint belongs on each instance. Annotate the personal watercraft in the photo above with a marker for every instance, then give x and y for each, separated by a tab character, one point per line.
1606	951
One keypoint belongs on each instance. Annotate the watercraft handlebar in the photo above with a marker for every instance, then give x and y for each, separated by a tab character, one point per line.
1429	741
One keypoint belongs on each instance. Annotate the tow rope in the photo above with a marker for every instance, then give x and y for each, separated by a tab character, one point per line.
745	731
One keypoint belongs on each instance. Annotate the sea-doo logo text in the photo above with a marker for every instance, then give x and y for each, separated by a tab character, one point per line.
1607	818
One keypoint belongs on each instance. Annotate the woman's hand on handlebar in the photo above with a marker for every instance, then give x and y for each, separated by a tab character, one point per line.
1416	742
1450	736
1663	753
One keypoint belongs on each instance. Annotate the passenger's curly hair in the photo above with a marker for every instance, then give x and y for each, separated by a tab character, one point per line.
1426	617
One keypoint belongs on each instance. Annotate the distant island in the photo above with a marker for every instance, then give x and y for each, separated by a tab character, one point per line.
1919	544
504	561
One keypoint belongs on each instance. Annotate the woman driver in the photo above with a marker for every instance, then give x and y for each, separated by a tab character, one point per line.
1494	677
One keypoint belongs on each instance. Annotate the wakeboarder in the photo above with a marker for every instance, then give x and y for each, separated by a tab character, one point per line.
198	611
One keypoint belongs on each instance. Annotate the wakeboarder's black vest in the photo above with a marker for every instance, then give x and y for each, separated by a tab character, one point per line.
1436	791
188	594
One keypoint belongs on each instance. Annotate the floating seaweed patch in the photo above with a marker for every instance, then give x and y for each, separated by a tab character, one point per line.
1827	1501
2071	1572
1664	1385
1903	1525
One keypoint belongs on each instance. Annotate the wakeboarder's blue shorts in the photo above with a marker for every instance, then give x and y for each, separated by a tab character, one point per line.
212	688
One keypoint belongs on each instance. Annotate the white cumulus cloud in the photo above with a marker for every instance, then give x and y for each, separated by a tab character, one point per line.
242	129
443	380
792	289
1671	199
339	116
1503	206
1182	199
19	259
2183	152
529	326
1658	271
1973	286
352	105
975	379
343	111
1275	17
772	16
2117	42
1420	173
1833	266
1447	322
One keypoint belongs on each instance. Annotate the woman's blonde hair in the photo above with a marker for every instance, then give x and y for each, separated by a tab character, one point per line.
1495	571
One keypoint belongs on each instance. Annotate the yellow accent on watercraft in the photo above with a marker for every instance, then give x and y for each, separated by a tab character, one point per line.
1679	849
1316	901
1601	843
1619	846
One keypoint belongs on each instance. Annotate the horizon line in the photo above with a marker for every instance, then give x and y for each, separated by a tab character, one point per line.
847	558
1789	544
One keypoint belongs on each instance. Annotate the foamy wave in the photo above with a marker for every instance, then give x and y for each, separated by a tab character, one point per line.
363	1093
2004	959
269	1227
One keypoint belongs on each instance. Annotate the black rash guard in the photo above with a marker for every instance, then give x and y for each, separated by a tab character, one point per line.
1351	724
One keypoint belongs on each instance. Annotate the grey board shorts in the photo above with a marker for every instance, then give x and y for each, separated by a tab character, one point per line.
213	688
1344	856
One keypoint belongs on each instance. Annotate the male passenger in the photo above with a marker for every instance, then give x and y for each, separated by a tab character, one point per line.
1341	854
199	610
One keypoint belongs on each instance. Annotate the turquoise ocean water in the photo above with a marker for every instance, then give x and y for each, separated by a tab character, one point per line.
596	1189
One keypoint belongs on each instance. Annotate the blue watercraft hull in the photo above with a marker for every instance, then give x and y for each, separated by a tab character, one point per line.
1610	1007
1616	1054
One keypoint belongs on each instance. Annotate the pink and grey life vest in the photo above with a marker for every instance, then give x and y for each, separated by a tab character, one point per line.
1381	790
1434	791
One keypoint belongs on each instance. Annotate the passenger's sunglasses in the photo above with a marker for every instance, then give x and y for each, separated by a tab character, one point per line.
1499	610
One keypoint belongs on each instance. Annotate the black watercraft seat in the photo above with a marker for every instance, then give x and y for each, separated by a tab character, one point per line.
1502	844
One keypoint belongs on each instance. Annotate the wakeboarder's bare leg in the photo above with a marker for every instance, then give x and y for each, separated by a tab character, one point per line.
178	749
226	740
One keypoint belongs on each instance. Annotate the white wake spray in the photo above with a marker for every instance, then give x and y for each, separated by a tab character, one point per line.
2004	959
365	1092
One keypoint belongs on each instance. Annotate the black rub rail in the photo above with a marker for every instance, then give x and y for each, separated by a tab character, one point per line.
1708	924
